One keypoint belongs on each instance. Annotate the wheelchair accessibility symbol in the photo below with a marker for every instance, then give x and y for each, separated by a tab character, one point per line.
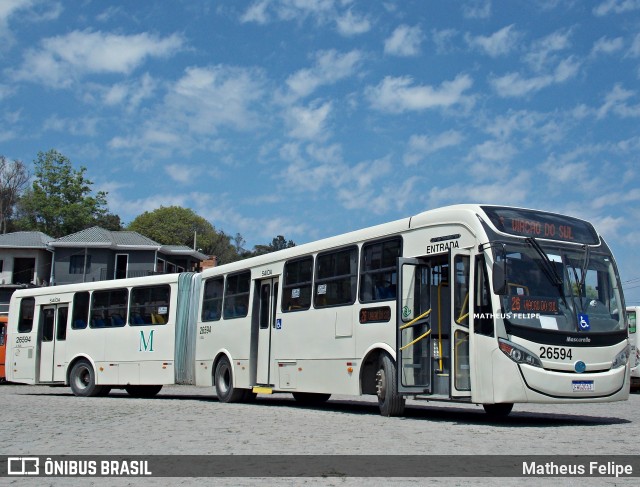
583	322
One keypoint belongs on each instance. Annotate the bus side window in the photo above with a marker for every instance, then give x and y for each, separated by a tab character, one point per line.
25	322
80	313
482	302
212	299
378	270
297	286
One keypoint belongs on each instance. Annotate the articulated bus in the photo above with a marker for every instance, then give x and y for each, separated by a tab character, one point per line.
632	315
480	304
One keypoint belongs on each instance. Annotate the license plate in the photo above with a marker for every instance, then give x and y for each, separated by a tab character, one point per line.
583	386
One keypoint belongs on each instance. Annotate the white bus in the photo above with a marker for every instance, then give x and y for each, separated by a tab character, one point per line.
481	304
632	318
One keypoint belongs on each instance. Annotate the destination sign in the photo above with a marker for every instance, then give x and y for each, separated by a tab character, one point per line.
540	224
531	304
375	315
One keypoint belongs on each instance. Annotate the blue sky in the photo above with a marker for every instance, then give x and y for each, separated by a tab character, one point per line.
310	118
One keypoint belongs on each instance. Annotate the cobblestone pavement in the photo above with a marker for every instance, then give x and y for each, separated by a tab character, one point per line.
185	420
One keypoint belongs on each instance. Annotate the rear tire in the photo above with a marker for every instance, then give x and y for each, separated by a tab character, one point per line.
500	410
82	380
389	401
145	391
225	390
311	398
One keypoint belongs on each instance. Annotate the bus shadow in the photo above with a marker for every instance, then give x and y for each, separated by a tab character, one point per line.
413	412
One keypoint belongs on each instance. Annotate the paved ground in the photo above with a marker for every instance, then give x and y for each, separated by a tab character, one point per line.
186	420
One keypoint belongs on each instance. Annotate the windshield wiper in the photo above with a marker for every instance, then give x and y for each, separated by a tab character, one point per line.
548	268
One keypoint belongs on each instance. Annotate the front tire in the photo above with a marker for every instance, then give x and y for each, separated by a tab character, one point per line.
225	389
145	391
82	380
389	401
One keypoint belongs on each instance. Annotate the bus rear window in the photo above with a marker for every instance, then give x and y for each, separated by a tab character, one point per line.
25	321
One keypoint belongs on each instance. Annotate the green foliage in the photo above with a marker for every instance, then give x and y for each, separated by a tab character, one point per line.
174	225
278	243
60	201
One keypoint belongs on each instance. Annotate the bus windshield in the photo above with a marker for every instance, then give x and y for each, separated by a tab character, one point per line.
560	289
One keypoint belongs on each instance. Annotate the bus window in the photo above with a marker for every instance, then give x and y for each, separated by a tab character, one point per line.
80	310
25	322
61	330
336	278
236	296
108	308
149	305
48	319
483	319
378	270
461	290
297	285
212	299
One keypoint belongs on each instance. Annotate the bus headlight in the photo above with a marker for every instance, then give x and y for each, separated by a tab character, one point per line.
622	358
518	354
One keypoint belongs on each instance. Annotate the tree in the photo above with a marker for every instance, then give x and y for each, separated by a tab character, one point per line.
174	225
13	180
60	200
278	243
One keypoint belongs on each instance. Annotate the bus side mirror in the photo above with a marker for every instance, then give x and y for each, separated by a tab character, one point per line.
499	278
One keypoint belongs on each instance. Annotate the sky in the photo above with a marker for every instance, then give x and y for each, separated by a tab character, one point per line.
311	118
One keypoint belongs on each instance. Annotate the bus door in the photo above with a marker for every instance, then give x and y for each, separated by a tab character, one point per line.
461	316
413	342
52	338
266	313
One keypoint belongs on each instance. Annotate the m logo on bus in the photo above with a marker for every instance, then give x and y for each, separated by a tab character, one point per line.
146	345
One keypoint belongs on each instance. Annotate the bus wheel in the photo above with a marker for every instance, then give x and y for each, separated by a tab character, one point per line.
142	391
390	403
310	398
82	380
500	410
224	383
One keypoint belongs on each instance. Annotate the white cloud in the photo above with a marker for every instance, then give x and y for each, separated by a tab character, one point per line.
420	146
130	93
543	52
62	59
404	41
182	173
443	40
515	85
604	45
634	50
256	12
615	102
329	68
308	122
616	7
350	24
497	44
477	9
397	94
206	98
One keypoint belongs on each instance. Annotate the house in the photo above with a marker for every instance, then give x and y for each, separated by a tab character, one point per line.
25	258
96	254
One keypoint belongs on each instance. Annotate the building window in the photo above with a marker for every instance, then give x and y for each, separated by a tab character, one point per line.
379	270
76	264
236	296
150	305
336	278
298	281
212	299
